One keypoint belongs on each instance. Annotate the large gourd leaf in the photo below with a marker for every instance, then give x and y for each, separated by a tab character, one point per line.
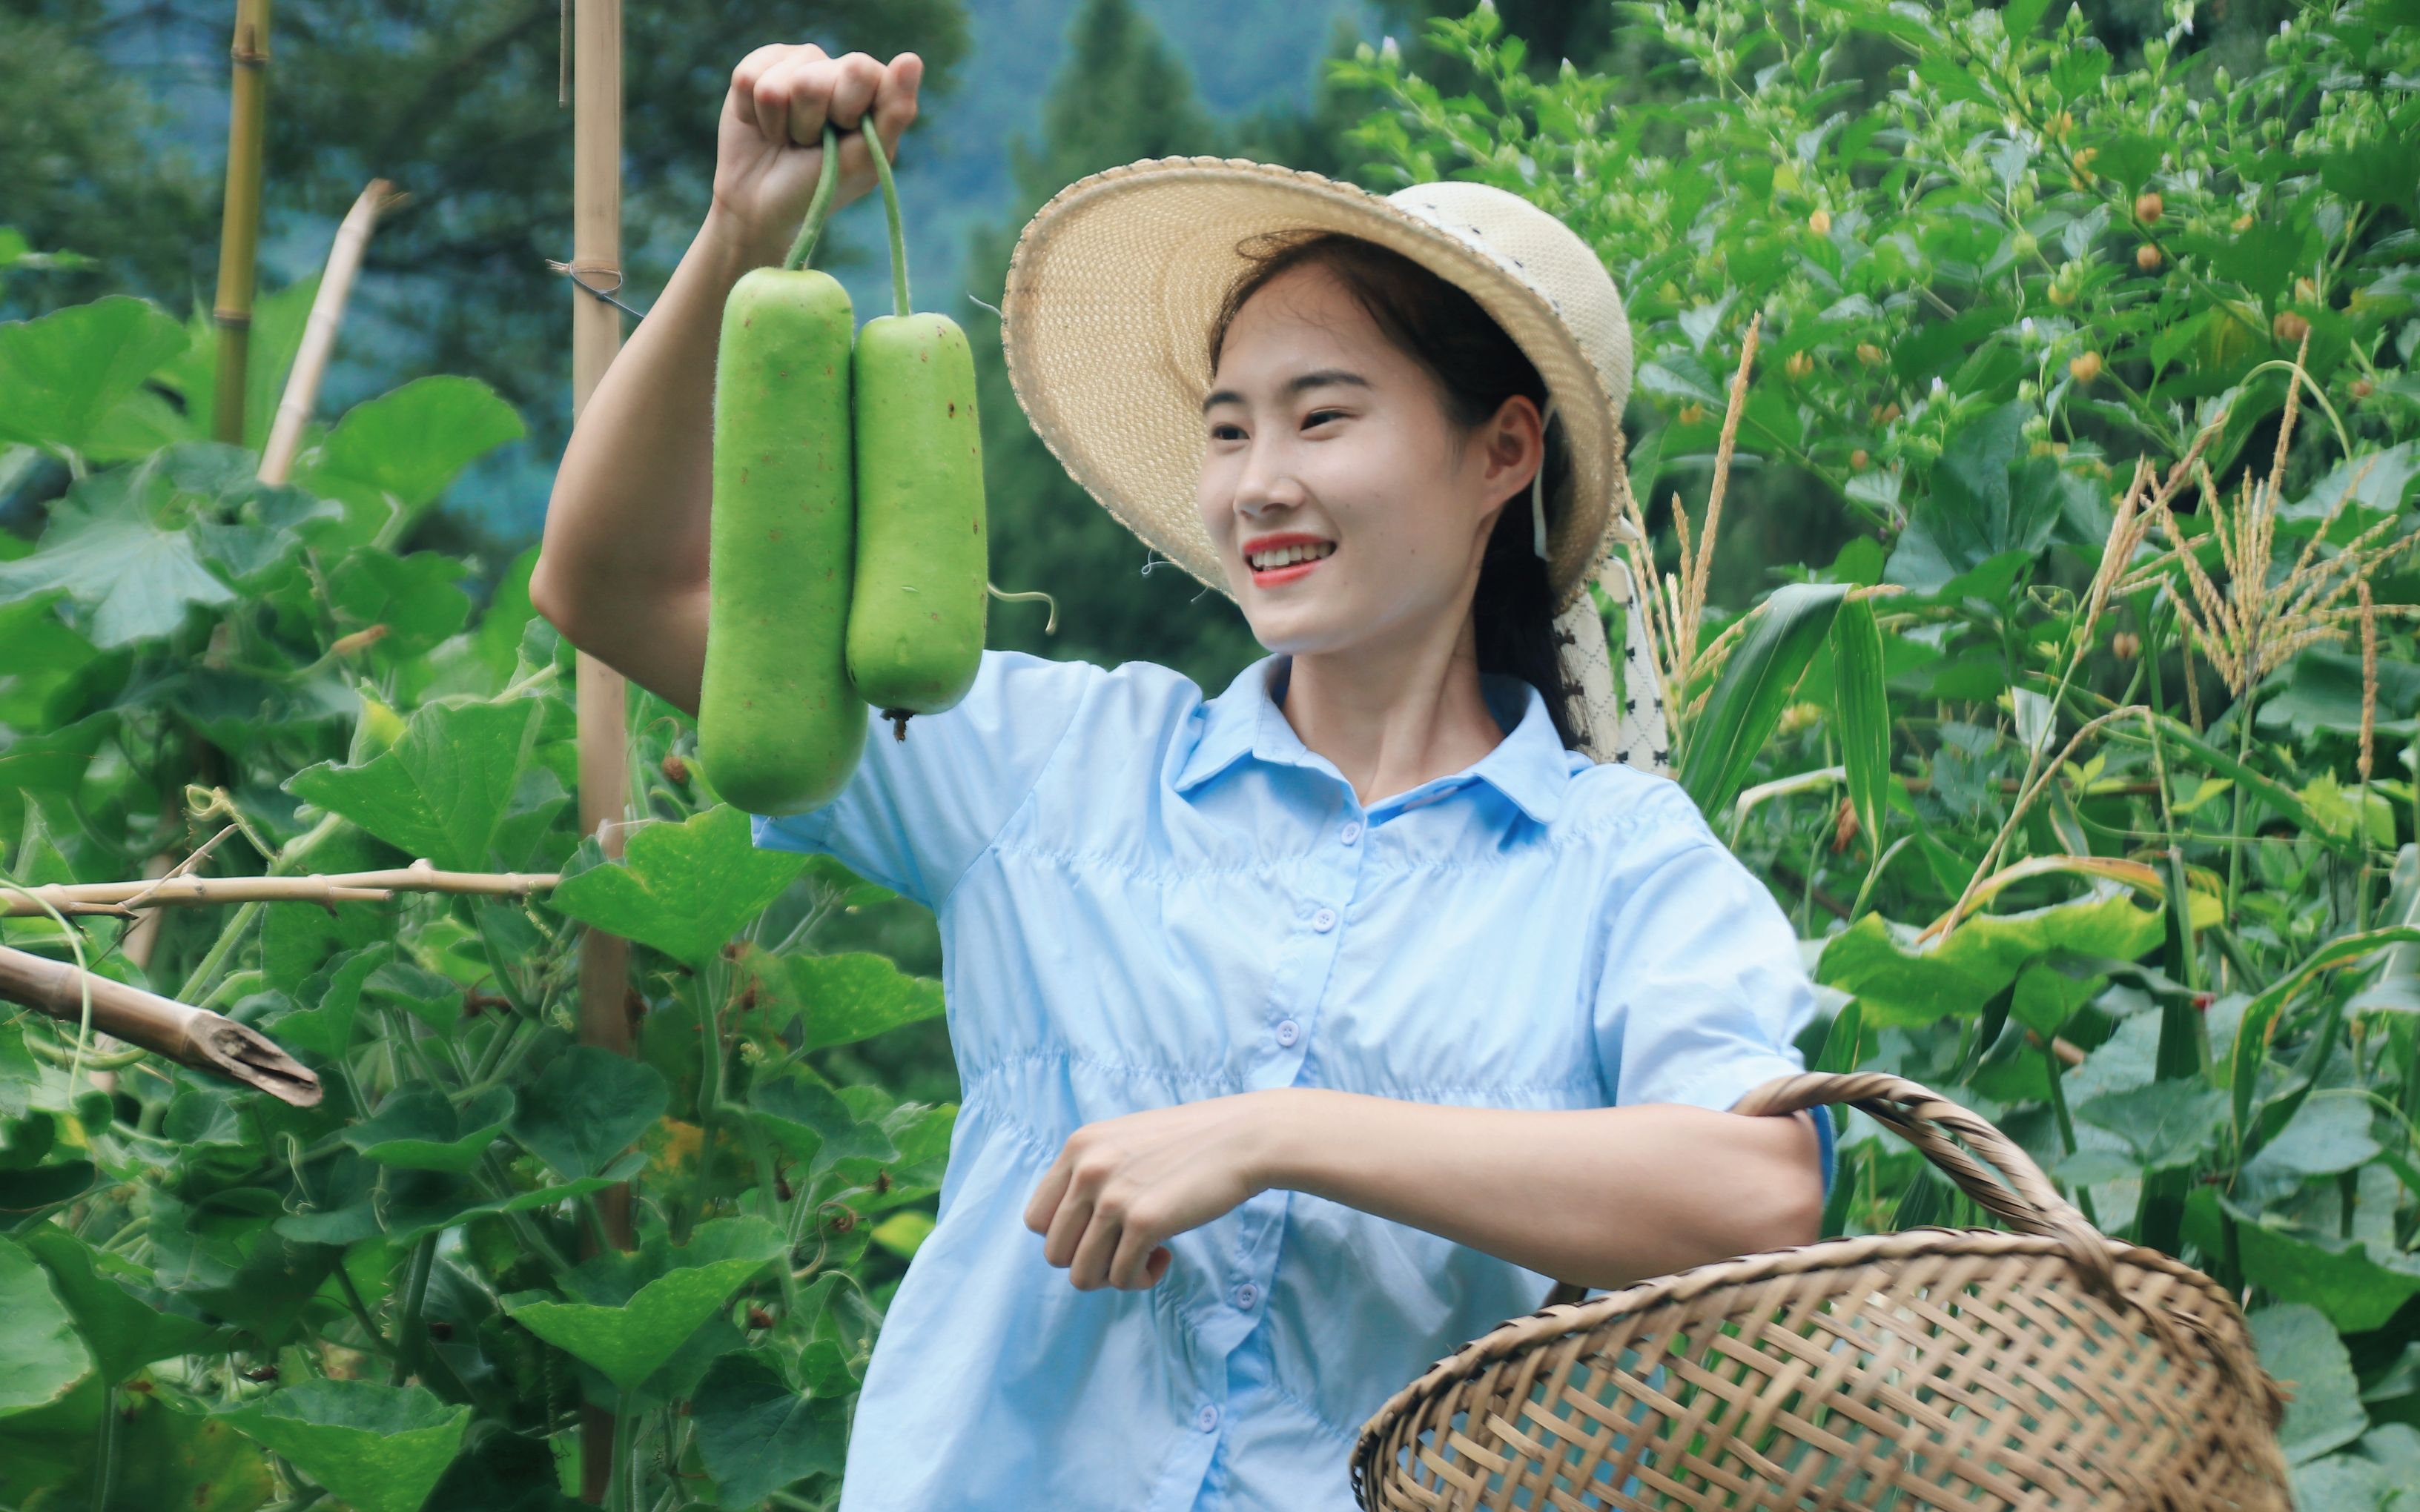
756	1435
63	375
641	1310
446	786
1903	983
838	999
587	1107
683	888
392	456
41	1358
381	1448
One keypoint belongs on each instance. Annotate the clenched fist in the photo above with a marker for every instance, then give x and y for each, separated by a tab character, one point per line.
770	145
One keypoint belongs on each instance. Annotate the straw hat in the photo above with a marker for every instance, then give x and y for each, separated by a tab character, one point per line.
1106	332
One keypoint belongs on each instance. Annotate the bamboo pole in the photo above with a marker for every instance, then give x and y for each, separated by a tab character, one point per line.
320	330
603	721
123	897
189	1036
240	226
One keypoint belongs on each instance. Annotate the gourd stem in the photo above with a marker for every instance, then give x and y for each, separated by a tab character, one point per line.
890	208
826	182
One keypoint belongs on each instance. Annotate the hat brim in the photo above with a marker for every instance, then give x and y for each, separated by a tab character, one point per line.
1106	322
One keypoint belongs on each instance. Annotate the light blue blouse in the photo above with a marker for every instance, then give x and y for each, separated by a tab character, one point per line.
1146	899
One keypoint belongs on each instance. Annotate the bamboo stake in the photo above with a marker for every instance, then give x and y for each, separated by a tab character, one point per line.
192	1036
123	897
320	330
240	226
603	719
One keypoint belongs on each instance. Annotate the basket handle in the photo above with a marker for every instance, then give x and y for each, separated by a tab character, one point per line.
1926	1120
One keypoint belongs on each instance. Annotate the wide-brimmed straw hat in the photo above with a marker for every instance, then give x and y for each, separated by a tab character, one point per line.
1106	323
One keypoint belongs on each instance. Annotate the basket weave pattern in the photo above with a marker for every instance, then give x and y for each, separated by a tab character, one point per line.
1968	1368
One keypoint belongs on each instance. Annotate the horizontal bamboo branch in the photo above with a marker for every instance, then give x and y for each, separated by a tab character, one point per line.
122	898
192	1036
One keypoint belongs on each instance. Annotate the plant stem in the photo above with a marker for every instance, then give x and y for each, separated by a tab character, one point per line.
378	1341
415	1290
104	1467
2235	826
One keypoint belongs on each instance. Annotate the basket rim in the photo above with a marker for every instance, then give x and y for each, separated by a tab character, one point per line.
1549	1325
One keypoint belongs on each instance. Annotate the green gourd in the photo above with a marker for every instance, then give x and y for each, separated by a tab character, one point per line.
778	728
917	608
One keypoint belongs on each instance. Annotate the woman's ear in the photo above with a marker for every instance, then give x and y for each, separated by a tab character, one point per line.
1514	441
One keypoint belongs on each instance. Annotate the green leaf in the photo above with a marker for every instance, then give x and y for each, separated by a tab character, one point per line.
1745	706
811	1121
757	1436
2327	1135
2253	1029
133	580
416	597
904	1233
627	1338
683	888
1982	505
839	999
1861	713
2301	1351
419	1129
442	790
395	455
61	376
381	1448
2322	690
41	1359
269	345
1906	984
407	1205
2336	1275
2166	1123
123	1332
2178	736
587	1107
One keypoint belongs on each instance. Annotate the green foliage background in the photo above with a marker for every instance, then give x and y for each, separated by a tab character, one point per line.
2159	924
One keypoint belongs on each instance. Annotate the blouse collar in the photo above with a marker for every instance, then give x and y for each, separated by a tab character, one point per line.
1530	766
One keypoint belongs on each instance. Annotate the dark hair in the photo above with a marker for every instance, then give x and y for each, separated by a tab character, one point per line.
1476	367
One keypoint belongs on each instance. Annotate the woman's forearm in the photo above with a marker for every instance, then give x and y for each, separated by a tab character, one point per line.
1601	1196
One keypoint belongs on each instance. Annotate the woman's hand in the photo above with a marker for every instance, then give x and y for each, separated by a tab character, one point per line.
769	147
1121	1185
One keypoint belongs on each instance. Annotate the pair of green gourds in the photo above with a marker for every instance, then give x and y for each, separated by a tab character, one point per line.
847	559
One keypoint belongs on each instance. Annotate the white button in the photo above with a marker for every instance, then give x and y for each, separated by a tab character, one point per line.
1324	921
1288	1032
1246	1295
1351	832
1207	1419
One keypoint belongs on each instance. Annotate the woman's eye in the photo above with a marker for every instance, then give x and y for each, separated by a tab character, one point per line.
1220	432
1314	417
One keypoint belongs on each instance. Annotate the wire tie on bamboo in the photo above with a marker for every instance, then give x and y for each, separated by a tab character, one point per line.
572	271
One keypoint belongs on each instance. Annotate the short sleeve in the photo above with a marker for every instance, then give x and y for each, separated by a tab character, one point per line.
1701	995
918	812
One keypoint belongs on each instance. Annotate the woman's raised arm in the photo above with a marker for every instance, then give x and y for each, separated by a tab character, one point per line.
622	568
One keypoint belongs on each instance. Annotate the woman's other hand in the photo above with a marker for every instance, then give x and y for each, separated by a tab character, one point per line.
768	149
1121	1185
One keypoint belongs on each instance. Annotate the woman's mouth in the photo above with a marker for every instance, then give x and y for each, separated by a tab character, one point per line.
1281	564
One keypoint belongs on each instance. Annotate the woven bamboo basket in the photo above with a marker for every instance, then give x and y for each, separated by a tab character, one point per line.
1979	1369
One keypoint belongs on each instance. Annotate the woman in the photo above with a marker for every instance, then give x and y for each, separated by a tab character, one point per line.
1308	1030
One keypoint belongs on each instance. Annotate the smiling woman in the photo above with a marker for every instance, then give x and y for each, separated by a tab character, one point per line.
1423	428
1269	1005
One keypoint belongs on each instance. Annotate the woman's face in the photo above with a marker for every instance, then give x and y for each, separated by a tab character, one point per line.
1320	432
